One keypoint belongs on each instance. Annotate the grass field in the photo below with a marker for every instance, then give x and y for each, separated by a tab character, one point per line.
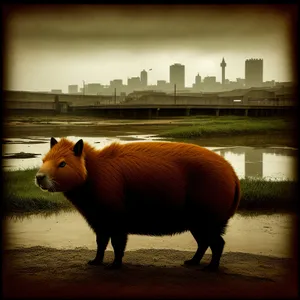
21	195
228	125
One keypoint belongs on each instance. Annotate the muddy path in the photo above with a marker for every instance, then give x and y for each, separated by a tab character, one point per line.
40	271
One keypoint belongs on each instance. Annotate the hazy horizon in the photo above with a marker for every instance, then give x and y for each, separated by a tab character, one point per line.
53	47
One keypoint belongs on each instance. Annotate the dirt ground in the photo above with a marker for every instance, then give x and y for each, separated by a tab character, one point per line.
40	272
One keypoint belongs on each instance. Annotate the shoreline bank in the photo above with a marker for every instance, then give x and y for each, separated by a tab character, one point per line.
202	126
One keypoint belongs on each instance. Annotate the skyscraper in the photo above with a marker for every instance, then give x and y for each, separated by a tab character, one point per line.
198	80
177	75
253	72
144	78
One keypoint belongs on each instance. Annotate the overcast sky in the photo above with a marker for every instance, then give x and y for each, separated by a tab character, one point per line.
50	48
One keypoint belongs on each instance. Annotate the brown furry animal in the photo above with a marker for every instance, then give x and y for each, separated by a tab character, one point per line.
148	188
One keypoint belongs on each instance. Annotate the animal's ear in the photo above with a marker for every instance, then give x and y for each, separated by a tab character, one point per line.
78	148
53	142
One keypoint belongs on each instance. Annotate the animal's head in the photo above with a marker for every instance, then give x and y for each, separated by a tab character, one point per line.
63	167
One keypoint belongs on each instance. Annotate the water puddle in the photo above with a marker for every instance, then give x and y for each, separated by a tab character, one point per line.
272	163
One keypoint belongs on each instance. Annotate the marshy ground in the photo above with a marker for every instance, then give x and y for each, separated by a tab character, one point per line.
179	128
40	271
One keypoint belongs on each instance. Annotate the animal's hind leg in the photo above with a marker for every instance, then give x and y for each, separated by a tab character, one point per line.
102	240
217	244
202	243
118	241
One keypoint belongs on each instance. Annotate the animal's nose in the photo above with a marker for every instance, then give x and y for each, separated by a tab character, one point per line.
40	177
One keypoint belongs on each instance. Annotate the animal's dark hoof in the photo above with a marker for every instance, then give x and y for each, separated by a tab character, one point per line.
191	262
95	262
211	268
113	266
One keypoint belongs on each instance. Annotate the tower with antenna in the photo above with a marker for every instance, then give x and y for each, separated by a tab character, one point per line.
223	65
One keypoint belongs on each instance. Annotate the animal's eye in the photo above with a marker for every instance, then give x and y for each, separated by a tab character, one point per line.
62	164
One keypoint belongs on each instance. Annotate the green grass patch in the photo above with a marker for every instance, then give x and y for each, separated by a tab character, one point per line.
228	125
268	196
20	194
258	195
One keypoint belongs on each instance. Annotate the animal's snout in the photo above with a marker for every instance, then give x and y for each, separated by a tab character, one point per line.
40	177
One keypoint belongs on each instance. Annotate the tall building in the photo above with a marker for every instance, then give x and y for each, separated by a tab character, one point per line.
223	66
253	72
73	89
177	76
198	80
197	86
144	78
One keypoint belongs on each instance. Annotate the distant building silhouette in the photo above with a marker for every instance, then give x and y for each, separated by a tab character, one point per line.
223	65
56	91
177	76
144	78
197	86
116	84
134	83
162	85
73	89
270	83
93	89
210	83
197	80
253	73
240	82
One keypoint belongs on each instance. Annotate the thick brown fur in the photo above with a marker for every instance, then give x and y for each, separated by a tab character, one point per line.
150	188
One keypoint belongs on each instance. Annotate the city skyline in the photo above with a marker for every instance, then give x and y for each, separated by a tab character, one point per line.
51	49
253	78
155	81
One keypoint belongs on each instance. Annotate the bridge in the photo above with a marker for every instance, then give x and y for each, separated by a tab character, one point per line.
163	110
251	102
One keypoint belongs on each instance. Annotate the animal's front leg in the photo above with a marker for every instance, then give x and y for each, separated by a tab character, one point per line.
118	241
102	240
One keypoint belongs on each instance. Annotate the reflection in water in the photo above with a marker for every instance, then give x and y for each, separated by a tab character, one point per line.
269	162
17	145
266	235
